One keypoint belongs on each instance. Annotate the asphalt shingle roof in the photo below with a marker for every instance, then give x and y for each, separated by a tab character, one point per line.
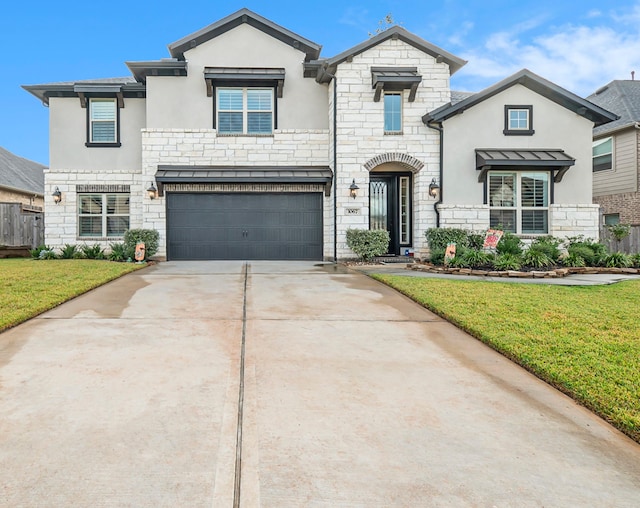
21	174
621	97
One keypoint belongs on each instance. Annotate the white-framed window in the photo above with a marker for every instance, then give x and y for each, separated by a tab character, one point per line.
103	214
103	120
519	201
518	120
393	112
404	196
244	110
603	154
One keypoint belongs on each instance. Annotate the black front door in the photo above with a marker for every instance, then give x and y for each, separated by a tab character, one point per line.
390	208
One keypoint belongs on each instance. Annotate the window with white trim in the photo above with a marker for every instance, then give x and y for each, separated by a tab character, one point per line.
244	110
103	214
603	154
103	119
392	112
519	201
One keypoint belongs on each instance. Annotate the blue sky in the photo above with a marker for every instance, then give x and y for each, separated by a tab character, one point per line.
578	45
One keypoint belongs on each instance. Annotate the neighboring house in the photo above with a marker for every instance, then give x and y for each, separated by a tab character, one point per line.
246	144
21	181
615	153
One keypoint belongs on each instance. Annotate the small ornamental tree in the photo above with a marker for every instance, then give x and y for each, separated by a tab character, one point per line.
368	243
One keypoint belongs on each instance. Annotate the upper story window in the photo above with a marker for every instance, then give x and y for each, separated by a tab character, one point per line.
245	110
603	154
103	116
519	201
518	121
393	112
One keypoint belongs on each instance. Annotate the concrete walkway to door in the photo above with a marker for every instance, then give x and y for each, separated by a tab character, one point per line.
352	396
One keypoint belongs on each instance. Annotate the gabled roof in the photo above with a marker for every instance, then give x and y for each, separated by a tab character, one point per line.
535	83
311	49
623	98
20	174
395	33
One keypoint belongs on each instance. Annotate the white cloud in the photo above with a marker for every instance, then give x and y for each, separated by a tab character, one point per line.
579	58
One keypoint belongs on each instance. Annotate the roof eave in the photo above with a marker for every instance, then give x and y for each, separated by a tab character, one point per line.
310	48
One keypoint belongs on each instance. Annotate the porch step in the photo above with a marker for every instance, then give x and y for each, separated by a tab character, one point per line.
394	259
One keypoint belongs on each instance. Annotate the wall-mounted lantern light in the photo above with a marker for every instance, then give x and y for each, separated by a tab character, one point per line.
353	189
434	188
57	196
152	191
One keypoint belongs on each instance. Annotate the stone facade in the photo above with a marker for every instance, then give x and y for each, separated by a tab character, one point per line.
574	220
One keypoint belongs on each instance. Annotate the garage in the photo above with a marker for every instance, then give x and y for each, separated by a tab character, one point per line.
244	226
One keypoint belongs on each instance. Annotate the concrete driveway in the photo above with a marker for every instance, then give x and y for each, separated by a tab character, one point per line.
348	395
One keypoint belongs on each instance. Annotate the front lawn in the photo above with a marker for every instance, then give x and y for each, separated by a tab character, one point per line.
584	340
28	287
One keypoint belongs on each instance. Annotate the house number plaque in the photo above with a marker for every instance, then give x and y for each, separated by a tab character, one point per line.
352	211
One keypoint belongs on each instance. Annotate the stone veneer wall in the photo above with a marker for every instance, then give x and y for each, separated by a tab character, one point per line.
564	220
62	219
574	220
626	204
204	147
361	137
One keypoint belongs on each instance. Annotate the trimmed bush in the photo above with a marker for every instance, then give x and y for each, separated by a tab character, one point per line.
593	253
472	258
438	238
573	260
117	252
368	243
635	259
150	238
436	256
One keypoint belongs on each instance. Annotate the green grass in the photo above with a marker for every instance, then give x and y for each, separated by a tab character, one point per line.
584	340
28	287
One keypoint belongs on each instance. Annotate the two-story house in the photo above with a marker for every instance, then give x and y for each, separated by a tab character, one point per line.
247	144
615	153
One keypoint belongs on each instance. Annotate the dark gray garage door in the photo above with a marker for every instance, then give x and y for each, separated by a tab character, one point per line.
244	226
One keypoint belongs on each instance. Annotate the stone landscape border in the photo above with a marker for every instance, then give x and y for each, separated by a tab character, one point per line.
534	274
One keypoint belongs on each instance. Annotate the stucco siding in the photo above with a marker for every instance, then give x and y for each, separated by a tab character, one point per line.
183	102
482	127
68	135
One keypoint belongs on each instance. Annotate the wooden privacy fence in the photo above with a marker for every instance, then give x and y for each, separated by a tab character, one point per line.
630	245
21	225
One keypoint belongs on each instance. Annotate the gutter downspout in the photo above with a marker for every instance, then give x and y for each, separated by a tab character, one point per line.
335	160
440	130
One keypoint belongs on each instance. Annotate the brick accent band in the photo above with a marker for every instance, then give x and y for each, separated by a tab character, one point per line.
242	187
103	188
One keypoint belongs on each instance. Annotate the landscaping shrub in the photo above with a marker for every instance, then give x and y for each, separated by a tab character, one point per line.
472	258
536	259
35	253
47	253
70	252
592	252
150	238
574	260
549	245
507	262
617	260
439	238
368	243
118	252
436	256
635	260
92	251
619	231
509	244
475	240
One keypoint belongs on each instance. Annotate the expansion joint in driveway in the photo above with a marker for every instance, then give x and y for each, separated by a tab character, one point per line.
238	470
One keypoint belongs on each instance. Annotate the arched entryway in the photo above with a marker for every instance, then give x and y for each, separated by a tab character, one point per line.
391	197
